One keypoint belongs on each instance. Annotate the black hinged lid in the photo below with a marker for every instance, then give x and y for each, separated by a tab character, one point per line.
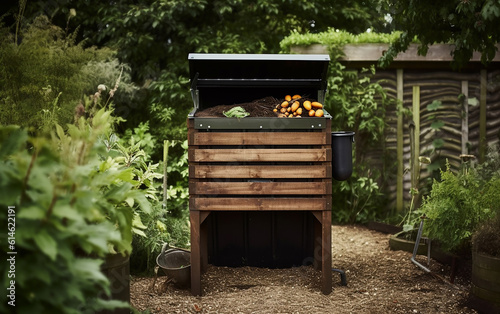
218	79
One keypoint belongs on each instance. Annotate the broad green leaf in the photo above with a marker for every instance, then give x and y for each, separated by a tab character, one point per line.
89	269
139	232
407	227
437	124
438	143
143	202
473	101
67	211
130	201
31	212
435	105
46	244
137	222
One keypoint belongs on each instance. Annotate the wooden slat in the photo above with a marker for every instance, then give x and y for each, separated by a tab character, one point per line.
257	204
482	115
255	155
260	188
399	143
259	138
263	172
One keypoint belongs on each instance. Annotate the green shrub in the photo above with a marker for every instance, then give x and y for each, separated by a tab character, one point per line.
73	203
335	37
458	204
44	75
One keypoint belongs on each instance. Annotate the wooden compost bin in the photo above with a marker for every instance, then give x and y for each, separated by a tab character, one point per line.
256	165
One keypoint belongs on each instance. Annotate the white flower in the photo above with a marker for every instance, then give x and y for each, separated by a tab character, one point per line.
101	87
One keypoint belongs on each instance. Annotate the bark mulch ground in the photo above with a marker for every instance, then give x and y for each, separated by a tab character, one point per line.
379	281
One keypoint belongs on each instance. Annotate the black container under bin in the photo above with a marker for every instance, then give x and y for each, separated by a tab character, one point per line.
342	155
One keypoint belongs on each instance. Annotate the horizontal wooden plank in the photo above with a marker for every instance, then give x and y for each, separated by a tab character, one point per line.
259	172
257	204
373	51
260	188
259	138
256	155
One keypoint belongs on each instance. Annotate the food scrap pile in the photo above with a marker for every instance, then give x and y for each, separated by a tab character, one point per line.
287	107
296	106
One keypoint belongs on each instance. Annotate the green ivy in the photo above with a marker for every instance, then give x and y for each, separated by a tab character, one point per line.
357	104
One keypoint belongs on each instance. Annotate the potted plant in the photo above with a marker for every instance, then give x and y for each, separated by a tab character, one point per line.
485	289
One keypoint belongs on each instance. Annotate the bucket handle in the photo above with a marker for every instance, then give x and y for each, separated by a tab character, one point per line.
164	248
167	249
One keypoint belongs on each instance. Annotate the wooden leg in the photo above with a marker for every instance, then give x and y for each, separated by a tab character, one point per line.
326	252
203	243
195	253
318	235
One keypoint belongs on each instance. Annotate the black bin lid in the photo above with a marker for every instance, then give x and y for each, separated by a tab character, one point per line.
258	70
226	79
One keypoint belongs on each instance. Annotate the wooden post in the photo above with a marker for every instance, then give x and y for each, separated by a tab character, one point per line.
465	117
326	252
482	117
399	142
195	220
165	174
415	166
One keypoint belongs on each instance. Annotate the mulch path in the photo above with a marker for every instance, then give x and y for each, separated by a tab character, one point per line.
379	281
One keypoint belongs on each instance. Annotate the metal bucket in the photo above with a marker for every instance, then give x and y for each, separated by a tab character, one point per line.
176	264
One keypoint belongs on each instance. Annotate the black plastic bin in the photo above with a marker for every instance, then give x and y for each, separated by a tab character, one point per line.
342	154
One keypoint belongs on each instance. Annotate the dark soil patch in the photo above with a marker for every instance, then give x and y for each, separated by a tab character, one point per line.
257	108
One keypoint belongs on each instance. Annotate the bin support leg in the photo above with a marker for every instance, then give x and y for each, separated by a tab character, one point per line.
326	252
195	219
323	248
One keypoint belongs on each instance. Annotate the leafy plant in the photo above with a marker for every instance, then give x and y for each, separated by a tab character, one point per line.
76	199
356	200
161	225
357	104
161	228
63	202
335	38
457	205
236	112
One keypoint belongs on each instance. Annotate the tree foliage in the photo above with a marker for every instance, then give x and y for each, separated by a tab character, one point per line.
155	37
469	25
45	74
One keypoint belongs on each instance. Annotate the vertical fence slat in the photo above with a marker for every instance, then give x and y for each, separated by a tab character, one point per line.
482	116
399	142
415	165
465	116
